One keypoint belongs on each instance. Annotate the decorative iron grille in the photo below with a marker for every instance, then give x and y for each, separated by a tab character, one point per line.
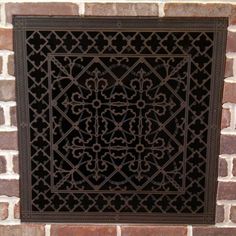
119	118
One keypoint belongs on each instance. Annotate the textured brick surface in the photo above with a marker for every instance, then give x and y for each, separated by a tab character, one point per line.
15	164
10	65
226	191
7	90
14	120
220	214
2	119
17	211
40	9
121	9
153	231
197	9
9	187
8	140
225	118
223	167
229	67
6	39
3	210
231	42
213	231
227	145
2	164
233	214
62	230
229	92
22	230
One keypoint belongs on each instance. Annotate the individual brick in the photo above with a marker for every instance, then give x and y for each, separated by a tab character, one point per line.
226	191
15	164
62	230
7	90
3	210
227	144
10	65
6	39
220	214
231	42
3	167
13	116
213	231
22	230
9	187
2	119
17	211
153	230
229	94
229	67
225	118
8	140
223	168
62	8
121	9
197	9
1	60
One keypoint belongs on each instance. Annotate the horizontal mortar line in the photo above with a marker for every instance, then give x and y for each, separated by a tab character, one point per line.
226	202
232	28
228	131
4	198
6	52
227	156
231	54
7	176
10	222
7	77
230	80
5	128
226	225
7	152
8	103
227	179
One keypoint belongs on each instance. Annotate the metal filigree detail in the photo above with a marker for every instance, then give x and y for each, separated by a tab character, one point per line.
119	121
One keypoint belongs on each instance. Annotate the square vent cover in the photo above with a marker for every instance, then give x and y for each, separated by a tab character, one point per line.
119	118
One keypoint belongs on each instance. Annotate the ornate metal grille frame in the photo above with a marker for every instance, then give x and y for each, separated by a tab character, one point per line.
144	207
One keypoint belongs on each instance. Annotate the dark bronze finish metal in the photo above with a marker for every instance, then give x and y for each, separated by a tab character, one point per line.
119	118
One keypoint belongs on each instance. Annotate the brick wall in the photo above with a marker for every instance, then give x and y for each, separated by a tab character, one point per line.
9	172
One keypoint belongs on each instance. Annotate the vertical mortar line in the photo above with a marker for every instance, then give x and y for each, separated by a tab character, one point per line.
4	64
47	230
118	230
161	10
189	230
9	163
233	111
11	210
3	14
230	167
234	67
81	8
227	212
7	117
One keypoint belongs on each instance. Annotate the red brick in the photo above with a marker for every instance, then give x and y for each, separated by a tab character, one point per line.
229	94
234	167
220	214
17	211
197	9
7	90
9	187
40	9
232	19
62	230
226	191
229	67
225	118
15	164
22	230
233	214
6	39
8	140
10	65
121	9
213	231
153	230
228	144
223	171
2	119
13	116
3	210
231	42
3	167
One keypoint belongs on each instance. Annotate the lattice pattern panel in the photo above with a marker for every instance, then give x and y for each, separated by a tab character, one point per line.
119	121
